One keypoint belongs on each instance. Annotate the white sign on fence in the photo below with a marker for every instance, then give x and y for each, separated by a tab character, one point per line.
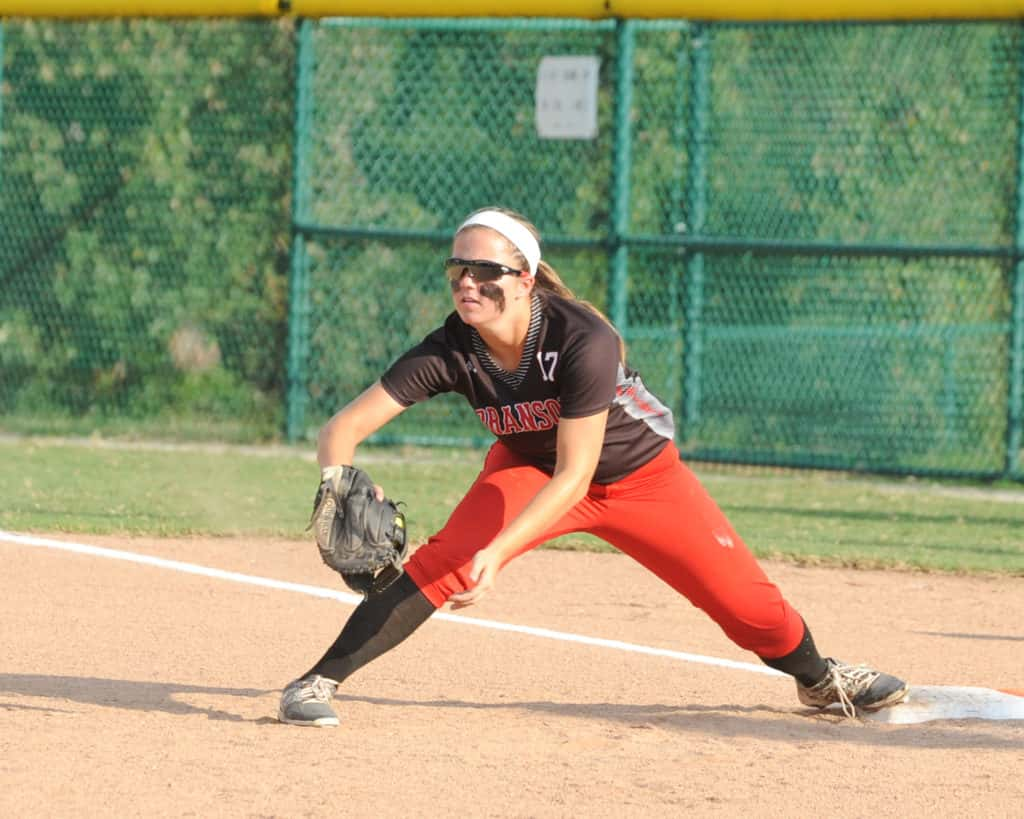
566	97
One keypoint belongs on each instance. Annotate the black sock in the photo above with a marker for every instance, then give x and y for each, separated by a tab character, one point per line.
803	662
377	625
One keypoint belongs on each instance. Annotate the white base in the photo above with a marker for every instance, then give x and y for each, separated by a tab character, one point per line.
931	702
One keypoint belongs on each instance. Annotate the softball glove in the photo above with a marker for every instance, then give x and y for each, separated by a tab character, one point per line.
360	537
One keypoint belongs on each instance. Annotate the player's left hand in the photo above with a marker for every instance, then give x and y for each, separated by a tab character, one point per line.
484	570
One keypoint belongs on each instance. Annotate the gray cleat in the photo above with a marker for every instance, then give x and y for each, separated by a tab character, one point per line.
853	687
307	701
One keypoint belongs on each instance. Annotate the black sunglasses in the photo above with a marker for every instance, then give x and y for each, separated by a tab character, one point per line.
479	270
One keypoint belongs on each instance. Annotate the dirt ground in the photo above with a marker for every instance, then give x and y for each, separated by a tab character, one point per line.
134	690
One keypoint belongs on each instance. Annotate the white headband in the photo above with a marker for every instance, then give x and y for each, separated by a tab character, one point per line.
512	230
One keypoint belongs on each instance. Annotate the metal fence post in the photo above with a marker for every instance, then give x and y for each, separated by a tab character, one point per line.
677	212
623	156
1015	414
1015	360
1	99
298	286
696	206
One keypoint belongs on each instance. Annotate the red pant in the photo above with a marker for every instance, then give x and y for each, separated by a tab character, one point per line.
659	515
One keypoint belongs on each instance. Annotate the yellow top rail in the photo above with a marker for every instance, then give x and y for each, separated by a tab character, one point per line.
139	8
671	9
589	9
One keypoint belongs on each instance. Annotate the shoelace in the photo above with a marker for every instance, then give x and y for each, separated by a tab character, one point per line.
318	689
858	677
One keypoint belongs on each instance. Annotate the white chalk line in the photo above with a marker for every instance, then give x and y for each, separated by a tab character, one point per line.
352	599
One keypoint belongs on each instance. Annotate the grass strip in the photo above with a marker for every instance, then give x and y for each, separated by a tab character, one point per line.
102	487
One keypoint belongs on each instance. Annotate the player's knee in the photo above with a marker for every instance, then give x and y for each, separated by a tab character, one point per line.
436	576
767	629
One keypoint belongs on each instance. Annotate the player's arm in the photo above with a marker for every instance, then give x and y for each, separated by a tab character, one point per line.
579	444
358	420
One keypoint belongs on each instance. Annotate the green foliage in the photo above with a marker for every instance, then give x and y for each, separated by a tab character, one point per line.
836	132
145	209
444	124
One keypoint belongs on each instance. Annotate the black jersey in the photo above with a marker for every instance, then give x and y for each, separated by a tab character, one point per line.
570	368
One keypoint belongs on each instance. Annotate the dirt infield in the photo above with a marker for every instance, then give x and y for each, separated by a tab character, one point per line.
133	690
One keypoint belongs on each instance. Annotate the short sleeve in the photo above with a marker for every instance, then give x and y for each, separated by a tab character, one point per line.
421	373
589	372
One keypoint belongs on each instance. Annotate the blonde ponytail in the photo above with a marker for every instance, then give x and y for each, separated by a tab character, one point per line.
548	281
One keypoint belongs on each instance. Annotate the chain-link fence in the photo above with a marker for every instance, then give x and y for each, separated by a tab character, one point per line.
810	235
144	206
807	234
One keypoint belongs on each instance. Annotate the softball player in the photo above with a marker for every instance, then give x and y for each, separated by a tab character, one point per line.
582	446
